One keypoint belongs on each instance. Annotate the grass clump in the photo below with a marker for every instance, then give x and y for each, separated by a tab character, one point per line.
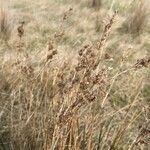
91	100
136	21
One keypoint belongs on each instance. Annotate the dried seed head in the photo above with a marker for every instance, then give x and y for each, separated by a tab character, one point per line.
50	56
70	9
66	14
80	52
92	56
21	29
27	70
142	63
50	46
50	51
54	52
107	56
88	51
86	46
106	31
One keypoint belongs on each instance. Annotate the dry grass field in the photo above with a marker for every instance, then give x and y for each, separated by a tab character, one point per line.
74	74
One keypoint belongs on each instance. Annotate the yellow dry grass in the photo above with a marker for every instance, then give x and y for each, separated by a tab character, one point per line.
71	78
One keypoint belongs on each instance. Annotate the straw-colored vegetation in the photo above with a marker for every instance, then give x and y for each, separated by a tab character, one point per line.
74	75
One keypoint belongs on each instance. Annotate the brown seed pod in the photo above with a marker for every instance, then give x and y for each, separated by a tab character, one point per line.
20	29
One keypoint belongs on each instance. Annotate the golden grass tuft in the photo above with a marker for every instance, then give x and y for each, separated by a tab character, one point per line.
95	100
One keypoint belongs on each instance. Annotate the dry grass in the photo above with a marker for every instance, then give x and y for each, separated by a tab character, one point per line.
96	3
5	25
137	20
92	97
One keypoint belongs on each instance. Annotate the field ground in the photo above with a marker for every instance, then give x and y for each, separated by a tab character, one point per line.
74	76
